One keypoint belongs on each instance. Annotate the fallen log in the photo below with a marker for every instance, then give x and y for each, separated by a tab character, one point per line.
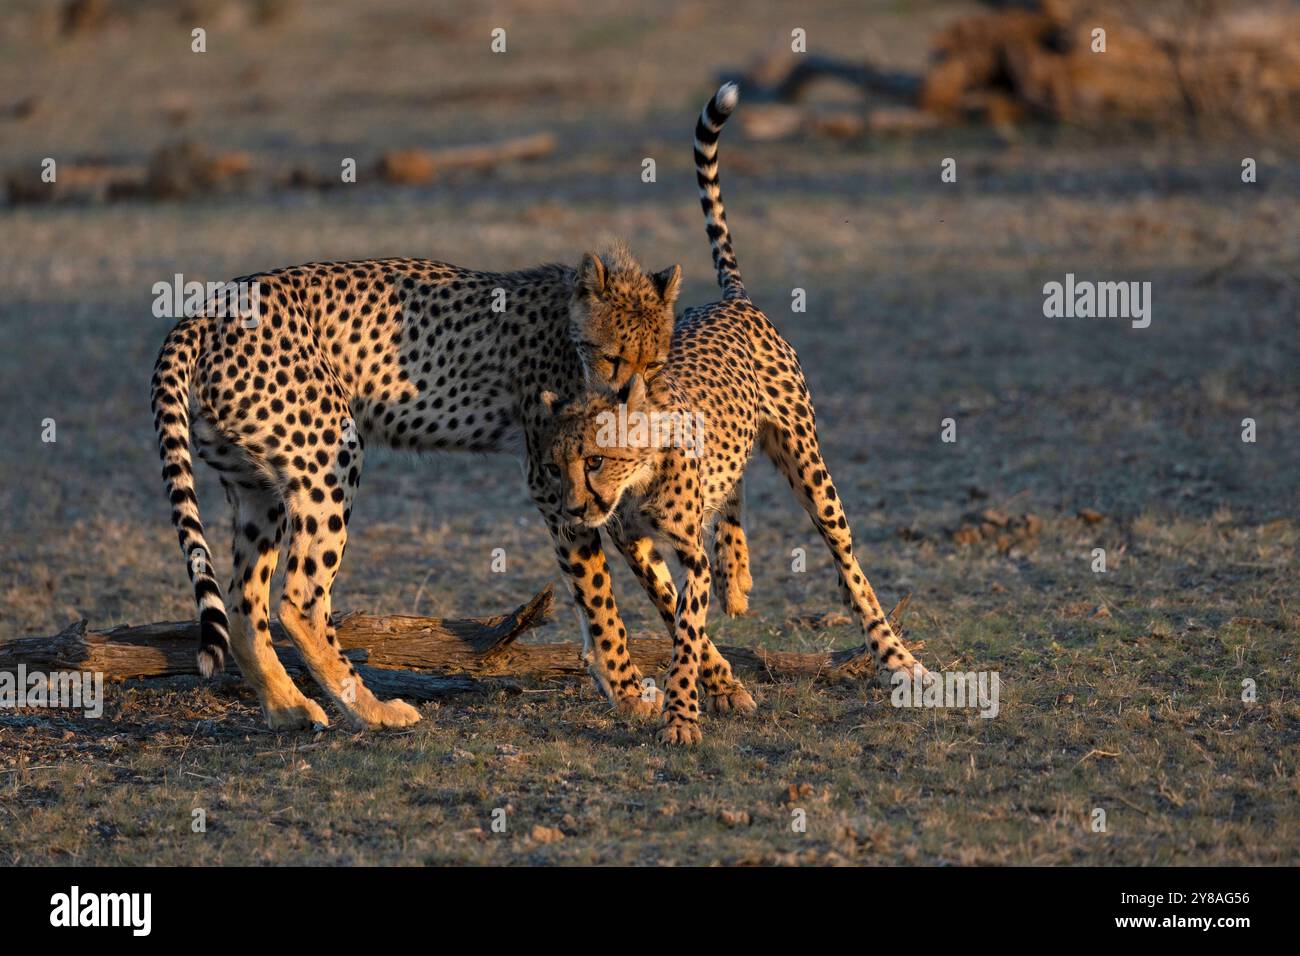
415	657
408	686
418	166
167	649
786	76
77	649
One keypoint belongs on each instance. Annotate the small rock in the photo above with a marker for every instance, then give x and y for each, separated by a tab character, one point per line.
824	620
798	791
84	16
833	619
543	834
25	108
734	818
410	167
180	170
995	517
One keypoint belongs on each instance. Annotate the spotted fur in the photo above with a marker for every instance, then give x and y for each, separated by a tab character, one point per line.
408	353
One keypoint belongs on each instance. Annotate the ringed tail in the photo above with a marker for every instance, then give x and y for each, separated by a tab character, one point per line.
707	130
172	376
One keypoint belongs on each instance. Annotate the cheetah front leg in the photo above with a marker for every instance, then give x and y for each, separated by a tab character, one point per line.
725	692
604	638
682	706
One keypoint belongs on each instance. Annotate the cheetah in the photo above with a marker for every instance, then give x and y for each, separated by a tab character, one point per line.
730	370
333	357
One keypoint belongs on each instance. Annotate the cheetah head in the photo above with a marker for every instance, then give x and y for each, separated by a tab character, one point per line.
621	317
595	460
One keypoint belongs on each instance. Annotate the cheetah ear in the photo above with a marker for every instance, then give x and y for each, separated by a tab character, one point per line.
549	402
591	276
668	283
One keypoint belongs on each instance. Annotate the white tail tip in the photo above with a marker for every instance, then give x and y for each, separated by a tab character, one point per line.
727	97
210	661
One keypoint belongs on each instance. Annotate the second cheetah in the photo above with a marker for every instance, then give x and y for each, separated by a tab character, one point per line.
729	369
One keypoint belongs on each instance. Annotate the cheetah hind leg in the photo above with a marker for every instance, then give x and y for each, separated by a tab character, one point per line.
811	483
317	543
732	581
259	528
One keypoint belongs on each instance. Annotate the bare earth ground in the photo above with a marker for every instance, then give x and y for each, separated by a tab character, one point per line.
1122	690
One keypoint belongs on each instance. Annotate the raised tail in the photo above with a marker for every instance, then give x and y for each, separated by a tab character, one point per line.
171	419
707	129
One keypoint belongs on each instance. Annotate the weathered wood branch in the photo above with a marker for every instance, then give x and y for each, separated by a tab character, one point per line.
414	657
172	654
409	686
1210	64
422	165
785	77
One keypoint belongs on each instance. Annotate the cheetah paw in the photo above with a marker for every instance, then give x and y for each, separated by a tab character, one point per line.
304	715
733	589
683	732
736	605
885	675
735	597
737	700
646	704
388	714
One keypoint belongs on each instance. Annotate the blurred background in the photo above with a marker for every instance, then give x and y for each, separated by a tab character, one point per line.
924	297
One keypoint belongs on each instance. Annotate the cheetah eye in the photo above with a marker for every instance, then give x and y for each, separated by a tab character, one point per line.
554	470
594	462
614	361
653	367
